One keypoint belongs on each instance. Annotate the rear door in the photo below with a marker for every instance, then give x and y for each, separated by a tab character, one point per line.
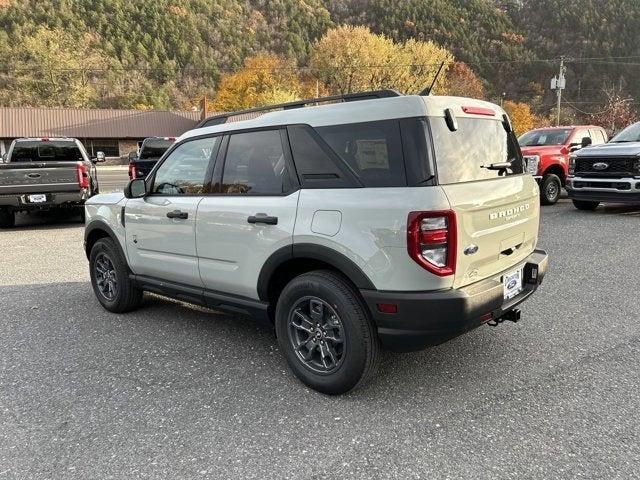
160	228
251	215
497	211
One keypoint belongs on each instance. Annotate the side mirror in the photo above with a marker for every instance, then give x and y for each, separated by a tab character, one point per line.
586	141
100	157
133	156
573	147
136	188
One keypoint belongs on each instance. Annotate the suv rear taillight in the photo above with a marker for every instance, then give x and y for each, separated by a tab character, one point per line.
132	171
83	175
431	241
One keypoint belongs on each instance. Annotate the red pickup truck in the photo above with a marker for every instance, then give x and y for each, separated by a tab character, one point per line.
550	148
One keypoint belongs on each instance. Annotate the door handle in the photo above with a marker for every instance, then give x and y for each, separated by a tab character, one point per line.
178	214
263	218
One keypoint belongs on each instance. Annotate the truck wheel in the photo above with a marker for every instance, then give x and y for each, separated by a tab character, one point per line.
550	190
585	205
110	278
325	332
7	218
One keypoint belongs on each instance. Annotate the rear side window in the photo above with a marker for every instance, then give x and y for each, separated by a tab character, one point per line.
255	164
372	150
315	163
46	152
468	154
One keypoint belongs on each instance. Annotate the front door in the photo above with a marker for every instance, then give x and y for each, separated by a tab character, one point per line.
161	227
251	216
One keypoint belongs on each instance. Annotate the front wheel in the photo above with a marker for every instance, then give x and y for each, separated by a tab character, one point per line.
585	205
326	333
550	189
110	278
7	218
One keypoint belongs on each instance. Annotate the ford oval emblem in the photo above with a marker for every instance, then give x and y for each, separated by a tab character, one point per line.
512	284
600	166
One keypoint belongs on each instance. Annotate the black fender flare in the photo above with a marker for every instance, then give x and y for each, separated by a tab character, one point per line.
314	252
103	226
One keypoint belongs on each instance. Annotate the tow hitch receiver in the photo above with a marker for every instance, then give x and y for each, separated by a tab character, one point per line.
512	315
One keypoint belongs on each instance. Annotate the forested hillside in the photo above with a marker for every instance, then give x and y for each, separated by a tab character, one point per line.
167	54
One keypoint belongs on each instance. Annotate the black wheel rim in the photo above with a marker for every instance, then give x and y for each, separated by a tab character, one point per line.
316	334
105	274
553	190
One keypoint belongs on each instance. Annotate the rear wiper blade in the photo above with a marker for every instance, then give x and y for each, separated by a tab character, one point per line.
497	166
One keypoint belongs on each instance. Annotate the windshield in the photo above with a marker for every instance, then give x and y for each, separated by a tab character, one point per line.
629	134
537	138
154	148
475	151
46	151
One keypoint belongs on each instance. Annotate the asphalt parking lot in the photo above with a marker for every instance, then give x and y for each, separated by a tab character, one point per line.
172	391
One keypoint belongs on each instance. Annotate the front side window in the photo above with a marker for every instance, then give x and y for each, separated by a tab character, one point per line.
185	169
373	150
579	135
475	151
255	165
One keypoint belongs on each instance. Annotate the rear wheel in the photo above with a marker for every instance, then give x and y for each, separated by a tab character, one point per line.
550	189
7	218
585	205
110	278
326	334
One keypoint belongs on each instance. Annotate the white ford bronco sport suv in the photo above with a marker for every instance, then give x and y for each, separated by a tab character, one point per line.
380	220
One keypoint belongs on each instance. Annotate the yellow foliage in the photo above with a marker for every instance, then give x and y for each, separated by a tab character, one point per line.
522	118
349	59
264	80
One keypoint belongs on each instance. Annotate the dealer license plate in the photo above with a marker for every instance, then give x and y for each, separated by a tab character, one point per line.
512	283
39	198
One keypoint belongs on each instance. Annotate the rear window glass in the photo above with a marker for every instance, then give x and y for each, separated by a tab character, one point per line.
46	152
474	150
154	148
373	151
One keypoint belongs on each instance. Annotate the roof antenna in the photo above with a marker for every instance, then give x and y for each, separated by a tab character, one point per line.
427	91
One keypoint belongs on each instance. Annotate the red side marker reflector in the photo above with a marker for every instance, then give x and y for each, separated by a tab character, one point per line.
387	308
478	111
486	317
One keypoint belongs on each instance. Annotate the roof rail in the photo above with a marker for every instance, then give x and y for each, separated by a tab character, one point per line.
349	97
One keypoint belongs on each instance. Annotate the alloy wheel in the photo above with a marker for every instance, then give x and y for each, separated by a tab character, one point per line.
106	279
317	335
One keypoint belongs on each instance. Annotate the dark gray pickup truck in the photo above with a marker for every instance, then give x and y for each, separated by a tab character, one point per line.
45	174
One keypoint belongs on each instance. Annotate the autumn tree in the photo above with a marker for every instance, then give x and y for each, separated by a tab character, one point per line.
59	69
522	118
463	82
348	59
264	79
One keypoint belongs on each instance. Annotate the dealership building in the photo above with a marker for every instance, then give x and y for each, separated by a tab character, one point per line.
115	132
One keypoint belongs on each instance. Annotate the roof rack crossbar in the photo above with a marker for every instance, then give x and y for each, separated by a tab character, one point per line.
349	97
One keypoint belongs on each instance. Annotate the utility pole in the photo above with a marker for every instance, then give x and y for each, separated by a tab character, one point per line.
558	84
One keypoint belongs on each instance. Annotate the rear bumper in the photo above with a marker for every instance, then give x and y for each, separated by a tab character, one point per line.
615	190
425	319
53	200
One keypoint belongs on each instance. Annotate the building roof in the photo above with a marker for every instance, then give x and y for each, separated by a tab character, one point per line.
93	123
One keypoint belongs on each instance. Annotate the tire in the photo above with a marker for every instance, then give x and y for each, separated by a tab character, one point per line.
550	189
7	218
585	205
333	366
123	295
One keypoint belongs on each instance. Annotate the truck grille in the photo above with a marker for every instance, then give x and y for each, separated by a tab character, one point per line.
614	166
